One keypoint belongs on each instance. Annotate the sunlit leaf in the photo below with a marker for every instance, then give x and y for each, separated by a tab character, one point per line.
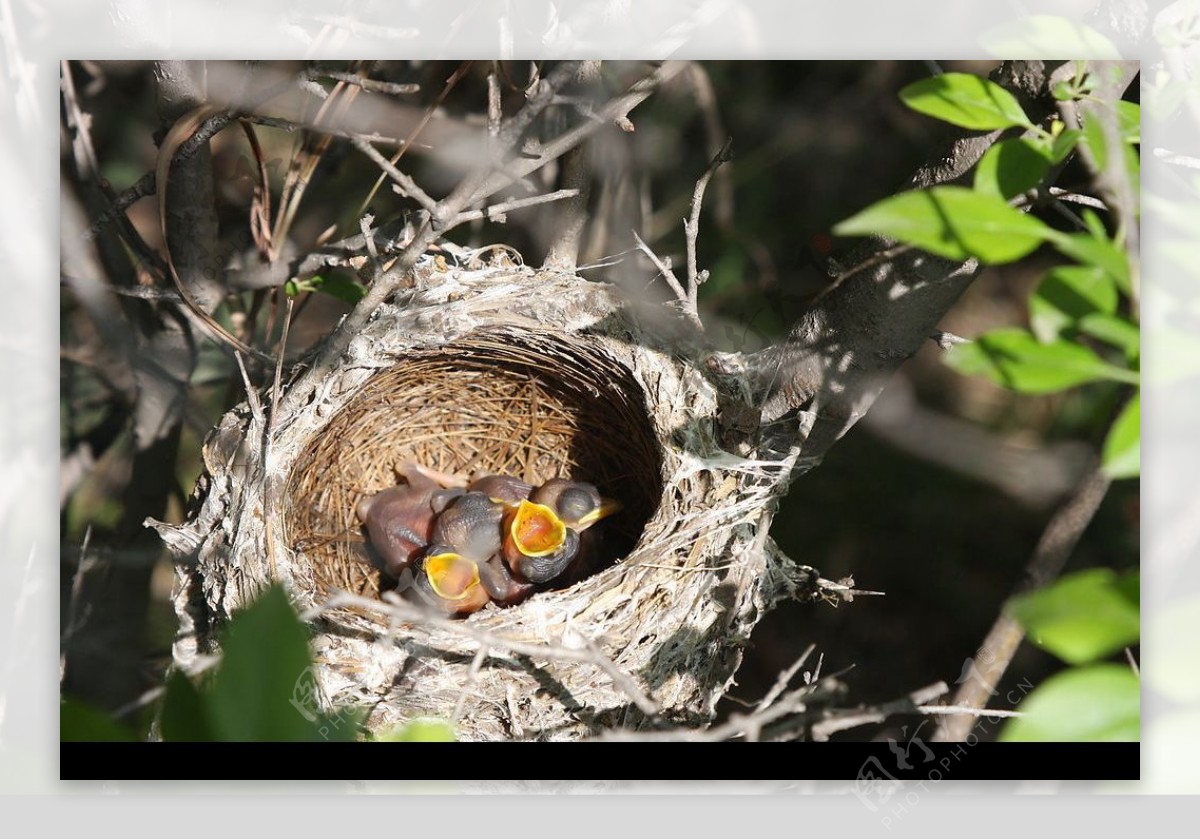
953	222
1083	617
1011	167
1068	293
1129	121
1114	330
1015	359
1064	144
1098	251
1123	446
420	729
343	288
1095	703
965	100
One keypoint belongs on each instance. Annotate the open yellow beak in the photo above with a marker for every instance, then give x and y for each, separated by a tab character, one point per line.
607	508
536	530
452	576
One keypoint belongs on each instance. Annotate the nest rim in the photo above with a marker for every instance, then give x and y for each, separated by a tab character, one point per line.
532	403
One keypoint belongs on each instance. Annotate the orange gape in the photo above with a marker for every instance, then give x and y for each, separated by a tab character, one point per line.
536	529
455	581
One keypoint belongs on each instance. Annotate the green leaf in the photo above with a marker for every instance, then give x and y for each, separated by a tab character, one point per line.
1065	295
420	729
1123	446
965	100
1129	121
1037	36
342	287
1114	330
1095	250
1016	359
1064	144
78	721
1096	703
184	716
1093	135
265	689
1011	167
1082	617
952	222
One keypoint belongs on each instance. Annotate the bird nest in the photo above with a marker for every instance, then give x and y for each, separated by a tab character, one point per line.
510	370
535	407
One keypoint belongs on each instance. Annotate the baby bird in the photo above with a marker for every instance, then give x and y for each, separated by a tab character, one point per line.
400	520
578	504
449	581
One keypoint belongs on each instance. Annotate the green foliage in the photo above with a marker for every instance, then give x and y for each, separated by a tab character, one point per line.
1080	333
1012	167
965	100
1068	294
420	729
1015	359
952	222
1082	317
1096	703
80	722
264	688
335	285
1083	617
1123	446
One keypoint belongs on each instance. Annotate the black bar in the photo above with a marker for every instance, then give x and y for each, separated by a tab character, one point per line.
872	766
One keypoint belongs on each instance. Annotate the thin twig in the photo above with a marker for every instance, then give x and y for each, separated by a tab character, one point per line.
406	183
691	226
683	300
982	673
910	703
785	677
496	212
455	78
394	88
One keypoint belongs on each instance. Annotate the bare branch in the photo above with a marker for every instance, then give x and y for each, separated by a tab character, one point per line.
664	268
407	185
357	79
982	674
691	226
909	704
496	212
563	253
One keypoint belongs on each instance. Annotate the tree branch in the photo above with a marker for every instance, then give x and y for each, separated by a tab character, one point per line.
844	348
982	674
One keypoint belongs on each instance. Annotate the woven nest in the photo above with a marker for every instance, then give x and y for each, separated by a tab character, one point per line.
485	403
510	370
